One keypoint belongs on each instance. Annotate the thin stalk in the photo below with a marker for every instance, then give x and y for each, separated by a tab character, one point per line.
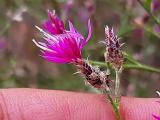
131	66
142	67
116	109
117	88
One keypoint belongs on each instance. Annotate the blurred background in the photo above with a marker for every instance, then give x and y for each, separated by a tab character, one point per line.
136	24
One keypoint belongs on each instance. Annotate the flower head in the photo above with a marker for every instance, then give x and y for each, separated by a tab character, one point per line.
61	45
113	48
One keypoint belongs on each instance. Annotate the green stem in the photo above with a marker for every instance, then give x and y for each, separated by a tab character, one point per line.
132	66
116	109
142	67
98	63
117	88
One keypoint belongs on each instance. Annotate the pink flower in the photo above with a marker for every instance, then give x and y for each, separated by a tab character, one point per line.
61	45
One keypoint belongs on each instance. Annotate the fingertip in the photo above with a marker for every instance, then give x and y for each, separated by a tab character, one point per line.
32	104
138	108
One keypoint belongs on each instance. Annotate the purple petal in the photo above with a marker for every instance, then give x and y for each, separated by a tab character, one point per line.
75	48
55	59
66	48
49	27
71	27
89	30
89	34
53	25
69	49
73	30
53	54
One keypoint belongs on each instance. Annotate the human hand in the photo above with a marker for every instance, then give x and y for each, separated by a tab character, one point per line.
34	104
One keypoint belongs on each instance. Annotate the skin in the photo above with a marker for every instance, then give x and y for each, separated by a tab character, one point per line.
35	104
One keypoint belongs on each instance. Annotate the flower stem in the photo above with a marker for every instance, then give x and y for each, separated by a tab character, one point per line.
117	88
132	66
142	67
116	109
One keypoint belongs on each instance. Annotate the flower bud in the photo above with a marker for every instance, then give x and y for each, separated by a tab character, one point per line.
113	52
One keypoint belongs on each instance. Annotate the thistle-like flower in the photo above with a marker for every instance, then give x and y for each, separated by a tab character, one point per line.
113	49
65	46
61	45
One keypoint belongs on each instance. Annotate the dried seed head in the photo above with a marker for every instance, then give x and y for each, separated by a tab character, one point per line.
113	53
93	75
